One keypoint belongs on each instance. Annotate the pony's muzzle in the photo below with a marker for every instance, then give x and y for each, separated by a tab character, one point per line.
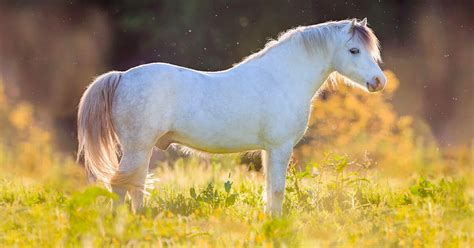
376	85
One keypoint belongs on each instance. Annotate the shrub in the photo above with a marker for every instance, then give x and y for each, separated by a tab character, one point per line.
347	120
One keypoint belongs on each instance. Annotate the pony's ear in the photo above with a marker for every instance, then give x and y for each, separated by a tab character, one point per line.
349	27
364	22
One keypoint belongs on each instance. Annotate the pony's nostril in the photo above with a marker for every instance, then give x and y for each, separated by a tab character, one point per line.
377	82
371	87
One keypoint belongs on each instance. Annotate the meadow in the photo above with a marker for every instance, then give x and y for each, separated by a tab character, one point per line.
362	177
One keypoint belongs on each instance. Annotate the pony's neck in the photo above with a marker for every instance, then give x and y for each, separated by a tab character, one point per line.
295	68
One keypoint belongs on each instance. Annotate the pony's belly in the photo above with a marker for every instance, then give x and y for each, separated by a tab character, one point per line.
218	144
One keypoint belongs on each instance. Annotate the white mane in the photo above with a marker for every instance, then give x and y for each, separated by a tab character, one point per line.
316	38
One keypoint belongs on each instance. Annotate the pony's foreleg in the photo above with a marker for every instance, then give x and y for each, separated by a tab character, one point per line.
275	161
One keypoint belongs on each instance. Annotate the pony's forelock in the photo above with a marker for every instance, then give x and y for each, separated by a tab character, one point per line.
320	36
367	37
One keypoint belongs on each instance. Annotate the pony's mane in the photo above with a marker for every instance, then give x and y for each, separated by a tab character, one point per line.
318	37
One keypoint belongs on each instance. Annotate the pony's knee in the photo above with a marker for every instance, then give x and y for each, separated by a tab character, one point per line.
278	194
274	205
276	197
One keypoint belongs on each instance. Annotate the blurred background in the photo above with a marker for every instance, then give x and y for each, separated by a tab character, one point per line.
51	50
388	169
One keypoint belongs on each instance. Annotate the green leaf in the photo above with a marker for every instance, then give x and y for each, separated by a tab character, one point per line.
192	192
230	200
228	186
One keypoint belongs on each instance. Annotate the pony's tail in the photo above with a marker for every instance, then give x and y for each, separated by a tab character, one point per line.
98	141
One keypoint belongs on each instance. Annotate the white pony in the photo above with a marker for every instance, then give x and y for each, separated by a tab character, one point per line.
262	103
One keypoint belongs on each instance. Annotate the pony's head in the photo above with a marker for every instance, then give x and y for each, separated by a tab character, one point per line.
357	54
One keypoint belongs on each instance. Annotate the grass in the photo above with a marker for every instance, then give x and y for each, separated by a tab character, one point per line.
335	203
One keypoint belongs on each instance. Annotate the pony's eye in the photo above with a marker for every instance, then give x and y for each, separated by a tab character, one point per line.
354	50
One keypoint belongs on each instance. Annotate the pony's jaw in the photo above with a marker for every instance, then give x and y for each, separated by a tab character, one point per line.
368	76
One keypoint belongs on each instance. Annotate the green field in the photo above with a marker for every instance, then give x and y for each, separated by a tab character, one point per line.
331	204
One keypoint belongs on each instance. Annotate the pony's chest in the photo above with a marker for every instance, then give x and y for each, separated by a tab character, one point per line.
286	124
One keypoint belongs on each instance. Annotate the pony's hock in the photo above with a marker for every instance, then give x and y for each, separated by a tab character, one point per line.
159	104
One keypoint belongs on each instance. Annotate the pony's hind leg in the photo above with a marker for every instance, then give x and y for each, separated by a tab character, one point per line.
137	191
120	191
133	170
137	132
